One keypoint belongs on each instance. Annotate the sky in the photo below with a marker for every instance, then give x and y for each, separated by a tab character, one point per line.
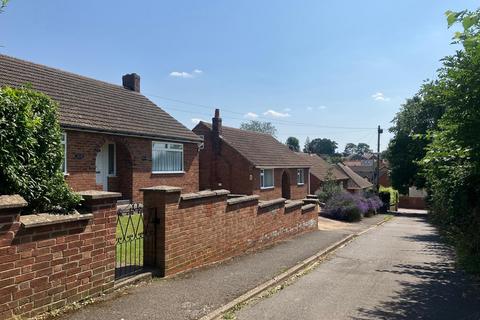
322	69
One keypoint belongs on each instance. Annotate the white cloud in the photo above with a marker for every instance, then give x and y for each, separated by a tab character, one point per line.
186	75
197	120
317	108
276	114
251	115
379	96
287	109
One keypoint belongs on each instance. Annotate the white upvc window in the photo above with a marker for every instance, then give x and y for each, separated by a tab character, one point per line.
300	177
167	157
63	142
266	178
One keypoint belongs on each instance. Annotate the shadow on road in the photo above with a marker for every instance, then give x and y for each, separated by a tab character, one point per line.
436	290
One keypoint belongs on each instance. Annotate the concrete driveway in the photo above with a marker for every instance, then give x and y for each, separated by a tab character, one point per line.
400	270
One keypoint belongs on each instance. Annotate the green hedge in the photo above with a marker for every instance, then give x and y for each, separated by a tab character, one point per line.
30	151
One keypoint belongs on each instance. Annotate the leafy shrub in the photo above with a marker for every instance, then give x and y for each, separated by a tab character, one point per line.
329	189
394	196
30	151
345	206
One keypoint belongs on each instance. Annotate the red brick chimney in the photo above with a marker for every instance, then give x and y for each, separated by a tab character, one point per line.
216	131
131	81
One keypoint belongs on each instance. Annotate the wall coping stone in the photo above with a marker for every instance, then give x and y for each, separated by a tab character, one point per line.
45	219
96	194
167	189
268	203
289	204
312	196
314	201
242	199
204	194
308	207
12	201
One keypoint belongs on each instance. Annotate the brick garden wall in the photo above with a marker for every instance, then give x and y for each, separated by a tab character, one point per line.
412	202
44	266
201	228
134	164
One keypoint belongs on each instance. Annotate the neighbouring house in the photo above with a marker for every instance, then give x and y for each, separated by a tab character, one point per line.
321	170
247	162
355	183
367	169
114	138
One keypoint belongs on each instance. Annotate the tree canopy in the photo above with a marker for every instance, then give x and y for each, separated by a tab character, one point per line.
293	144
321	146
259	126
360	149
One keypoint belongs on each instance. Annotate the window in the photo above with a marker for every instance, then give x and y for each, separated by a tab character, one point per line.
63	141
167	157
266	178
300	177
111	159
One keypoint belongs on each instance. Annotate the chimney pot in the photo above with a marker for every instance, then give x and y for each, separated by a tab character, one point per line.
131	81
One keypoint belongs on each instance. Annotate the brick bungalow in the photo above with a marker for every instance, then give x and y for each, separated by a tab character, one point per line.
321	170
247	162
355	183
115	139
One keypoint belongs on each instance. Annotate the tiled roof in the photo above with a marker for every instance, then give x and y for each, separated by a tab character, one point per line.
320	167
91	104
260	149
354	181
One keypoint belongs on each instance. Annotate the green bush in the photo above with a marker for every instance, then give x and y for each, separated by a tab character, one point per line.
329	188
394	195
31	152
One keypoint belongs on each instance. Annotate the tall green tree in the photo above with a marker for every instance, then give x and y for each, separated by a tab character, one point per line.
416	117
306	146
322	146
293	144
259	126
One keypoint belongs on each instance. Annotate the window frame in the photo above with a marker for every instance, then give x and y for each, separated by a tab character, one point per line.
300	173
182	150
262	179
63	142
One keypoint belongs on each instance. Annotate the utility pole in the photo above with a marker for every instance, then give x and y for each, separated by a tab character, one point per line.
379	131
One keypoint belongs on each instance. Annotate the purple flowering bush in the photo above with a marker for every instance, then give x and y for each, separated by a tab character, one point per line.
374	203
351	207
346	206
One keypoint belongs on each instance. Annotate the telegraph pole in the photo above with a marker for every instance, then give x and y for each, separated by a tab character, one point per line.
379	131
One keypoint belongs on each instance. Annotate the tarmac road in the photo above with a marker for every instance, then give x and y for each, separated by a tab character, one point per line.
400	270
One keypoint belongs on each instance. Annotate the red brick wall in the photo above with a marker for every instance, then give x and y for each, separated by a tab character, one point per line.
201	231
46	267
412	203
134	164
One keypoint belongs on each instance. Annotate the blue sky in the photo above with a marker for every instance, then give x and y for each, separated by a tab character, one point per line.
314	68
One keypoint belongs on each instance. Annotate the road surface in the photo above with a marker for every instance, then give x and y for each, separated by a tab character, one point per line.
400	270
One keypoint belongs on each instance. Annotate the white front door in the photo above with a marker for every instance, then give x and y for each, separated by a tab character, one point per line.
101	168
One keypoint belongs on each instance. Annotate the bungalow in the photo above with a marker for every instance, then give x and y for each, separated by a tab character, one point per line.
114	138
355	183
247	162
321	170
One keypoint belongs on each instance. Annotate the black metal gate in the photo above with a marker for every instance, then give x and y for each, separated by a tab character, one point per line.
134	233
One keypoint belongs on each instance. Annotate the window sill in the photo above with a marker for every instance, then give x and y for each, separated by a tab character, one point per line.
267	188
168	172
300	184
